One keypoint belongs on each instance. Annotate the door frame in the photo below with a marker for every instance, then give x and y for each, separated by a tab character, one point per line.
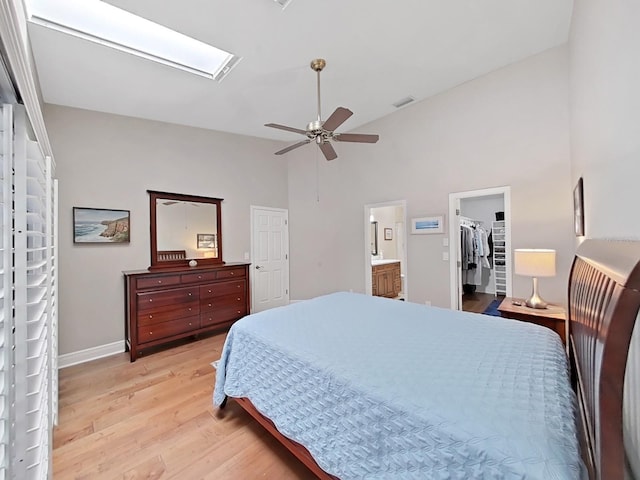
367	244
454	238
253	209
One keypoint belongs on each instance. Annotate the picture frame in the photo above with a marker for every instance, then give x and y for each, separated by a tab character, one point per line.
388	234
207	240
101	225
578	208
427	225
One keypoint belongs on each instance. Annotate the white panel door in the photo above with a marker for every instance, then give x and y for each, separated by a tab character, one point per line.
269	258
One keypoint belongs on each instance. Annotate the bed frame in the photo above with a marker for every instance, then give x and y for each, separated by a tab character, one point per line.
604	298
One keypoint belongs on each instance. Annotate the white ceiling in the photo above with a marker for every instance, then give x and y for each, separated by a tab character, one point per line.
377	53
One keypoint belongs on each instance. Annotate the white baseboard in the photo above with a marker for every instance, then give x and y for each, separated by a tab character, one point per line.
88	354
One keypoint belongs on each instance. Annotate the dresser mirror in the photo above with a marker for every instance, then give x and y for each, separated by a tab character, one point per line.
184	229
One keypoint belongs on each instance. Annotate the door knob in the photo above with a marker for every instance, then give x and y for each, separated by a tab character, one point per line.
258	267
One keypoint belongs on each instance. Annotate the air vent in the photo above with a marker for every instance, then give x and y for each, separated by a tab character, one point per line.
283	3
232	62
404	101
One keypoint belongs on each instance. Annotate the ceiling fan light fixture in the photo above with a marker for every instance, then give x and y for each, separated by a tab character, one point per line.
323	132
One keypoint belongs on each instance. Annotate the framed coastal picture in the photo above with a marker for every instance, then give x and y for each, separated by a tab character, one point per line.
426	225
578	208
207	240
100	225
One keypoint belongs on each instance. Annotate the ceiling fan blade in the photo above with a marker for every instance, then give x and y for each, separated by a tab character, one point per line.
328	151
356	137
284	127
291	147
337	118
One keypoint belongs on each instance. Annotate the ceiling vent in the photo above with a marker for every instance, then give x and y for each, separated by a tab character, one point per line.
283	3
404	101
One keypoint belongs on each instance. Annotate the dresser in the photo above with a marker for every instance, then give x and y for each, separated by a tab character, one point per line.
162	306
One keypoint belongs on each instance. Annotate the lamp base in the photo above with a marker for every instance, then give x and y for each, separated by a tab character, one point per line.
535	300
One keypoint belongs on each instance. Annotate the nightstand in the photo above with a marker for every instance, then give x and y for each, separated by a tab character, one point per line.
553	317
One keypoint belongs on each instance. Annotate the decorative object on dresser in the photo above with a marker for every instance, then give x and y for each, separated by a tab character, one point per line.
100	225
188	289
535	262
553	317
385	278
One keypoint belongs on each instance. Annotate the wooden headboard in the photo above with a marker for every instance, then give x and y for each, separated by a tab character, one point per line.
604	298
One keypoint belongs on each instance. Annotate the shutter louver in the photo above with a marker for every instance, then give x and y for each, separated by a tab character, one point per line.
29	306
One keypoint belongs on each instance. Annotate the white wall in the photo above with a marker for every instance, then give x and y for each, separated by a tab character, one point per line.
110	161
509	127
605	143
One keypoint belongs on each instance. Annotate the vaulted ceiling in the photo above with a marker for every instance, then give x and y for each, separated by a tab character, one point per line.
377	52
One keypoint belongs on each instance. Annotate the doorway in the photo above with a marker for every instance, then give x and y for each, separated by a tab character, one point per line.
384	247
479	280
269	258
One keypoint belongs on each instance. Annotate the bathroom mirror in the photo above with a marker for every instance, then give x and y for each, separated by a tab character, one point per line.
374	238
184	228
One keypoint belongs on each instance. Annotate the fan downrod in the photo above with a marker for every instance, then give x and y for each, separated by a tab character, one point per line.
318	64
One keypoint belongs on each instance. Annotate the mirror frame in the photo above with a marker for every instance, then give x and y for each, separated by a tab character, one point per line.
374	240
154	196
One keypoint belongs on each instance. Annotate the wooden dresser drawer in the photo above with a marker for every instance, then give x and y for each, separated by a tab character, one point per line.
231	273
149	333
208	304
222	314
153	300
198	277
163	281
222	288
169	312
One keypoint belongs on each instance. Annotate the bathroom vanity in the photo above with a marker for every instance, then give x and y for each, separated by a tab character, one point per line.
385	278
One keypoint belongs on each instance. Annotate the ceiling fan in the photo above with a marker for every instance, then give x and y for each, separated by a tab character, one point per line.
322	132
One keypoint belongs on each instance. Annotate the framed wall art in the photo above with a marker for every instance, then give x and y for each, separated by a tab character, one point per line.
207	240
100	225
388	234
578	209
427	225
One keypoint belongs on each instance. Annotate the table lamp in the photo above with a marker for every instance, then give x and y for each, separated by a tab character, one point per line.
535	262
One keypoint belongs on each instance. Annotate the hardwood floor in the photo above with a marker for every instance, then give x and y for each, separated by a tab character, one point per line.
477	302
155	419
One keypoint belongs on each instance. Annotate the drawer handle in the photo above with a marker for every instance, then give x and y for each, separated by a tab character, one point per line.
151	300
189	308
150	316
189	293
238	298
210	305
238	311
209	291
231	274
189	323
150	333
159	281
199	276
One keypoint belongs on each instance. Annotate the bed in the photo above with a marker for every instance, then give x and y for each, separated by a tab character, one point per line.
366	387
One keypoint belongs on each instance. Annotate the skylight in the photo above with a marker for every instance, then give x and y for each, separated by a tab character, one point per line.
107	25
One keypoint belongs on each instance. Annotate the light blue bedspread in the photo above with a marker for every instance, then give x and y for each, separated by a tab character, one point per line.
382	389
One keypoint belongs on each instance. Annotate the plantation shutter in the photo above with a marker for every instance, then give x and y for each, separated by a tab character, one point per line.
28	381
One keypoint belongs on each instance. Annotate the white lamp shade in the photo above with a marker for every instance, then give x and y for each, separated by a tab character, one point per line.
535	262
